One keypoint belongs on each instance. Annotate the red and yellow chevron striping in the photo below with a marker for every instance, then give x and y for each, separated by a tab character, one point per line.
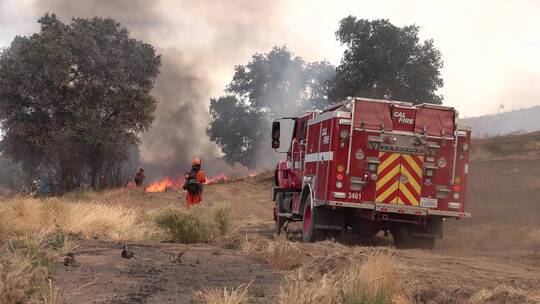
399	179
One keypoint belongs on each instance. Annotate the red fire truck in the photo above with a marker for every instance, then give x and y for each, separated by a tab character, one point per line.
370	165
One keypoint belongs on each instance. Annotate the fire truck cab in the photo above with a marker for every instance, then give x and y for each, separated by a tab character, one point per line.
372	165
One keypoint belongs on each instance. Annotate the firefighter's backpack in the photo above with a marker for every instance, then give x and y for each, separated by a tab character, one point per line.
192	185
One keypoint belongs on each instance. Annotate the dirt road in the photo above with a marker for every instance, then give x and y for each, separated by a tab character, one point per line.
493	252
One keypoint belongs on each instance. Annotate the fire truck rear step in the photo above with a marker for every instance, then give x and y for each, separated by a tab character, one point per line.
329	227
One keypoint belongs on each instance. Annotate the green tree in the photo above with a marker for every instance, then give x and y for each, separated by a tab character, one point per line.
235	128
276	83
382	60
75	97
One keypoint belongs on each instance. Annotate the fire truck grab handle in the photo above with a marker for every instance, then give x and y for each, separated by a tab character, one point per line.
350	138
292	154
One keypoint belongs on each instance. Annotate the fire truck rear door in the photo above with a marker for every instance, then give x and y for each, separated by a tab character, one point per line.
399	179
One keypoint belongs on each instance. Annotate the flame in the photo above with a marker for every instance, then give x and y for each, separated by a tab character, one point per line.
216	179
176	184
165	184
131	185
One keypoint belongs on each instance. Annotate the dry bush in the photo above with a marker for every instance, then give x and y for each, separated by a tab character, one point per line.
504	295
183	226
279	253
198	224
214	295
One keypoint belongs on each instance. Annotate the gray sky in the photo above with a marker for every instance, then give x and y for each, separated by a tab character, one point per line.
490	48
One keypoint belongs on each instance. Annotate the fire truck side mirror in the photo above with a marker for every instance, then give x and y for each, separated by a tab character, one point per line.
275	135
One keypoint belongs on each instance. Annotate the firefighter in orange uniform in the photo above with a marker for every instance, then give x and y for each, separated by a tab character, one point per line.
195	179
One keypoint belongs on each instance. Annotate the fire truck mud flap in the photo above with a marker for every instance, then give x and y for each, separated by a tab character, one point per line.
328	219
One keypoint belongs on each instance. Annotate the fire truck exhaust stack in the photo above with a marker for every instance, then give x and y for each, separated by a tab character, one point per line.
371	165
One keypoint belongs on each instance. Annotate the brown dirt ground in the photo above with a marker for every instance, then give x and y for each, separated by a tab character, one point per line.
496	247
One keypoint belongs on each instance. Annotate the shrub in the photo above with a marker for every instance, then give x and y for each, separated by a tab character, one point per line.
222	218
186	226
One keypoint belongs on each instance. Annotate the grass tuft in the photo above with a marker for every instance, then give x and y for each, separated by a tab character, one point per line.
371	282
214	295
51	295
279	253
222	218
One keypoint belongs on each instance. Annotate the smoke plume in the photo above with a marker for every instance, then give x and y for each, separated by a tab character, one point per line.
200	42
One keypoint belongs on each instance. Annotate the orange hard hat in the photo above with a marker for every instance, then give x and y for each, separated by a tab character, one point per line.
196	161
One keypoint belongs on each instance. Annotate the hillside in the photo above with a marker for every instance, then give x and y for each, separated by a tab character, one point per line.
518	121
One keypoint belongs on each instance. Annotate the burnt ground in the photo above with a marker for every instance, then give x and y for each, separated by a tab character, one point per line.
155	275
496	247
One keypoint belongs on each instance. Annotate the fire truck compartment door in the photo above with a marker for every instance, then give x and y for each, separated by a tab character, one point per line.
399	179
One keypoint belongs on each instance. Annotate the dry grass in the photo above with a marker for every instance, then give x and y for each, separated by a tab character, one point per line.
214	295
21	216
52	295
300	288
506	147
279	253
371	281
222	217
505	295
25	264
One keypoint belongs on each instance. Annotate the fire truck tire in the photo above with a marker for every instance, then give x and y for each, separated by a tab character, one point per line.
280	220
309	219
404	240
363	228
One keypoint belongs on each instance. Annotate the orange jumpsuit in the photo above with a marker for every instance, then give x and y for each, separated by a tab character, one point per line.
196	198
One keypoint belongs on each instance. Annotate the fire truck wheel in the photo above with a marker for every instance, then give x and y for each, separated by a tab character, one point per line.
403	239
310	216
280	220
424	242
